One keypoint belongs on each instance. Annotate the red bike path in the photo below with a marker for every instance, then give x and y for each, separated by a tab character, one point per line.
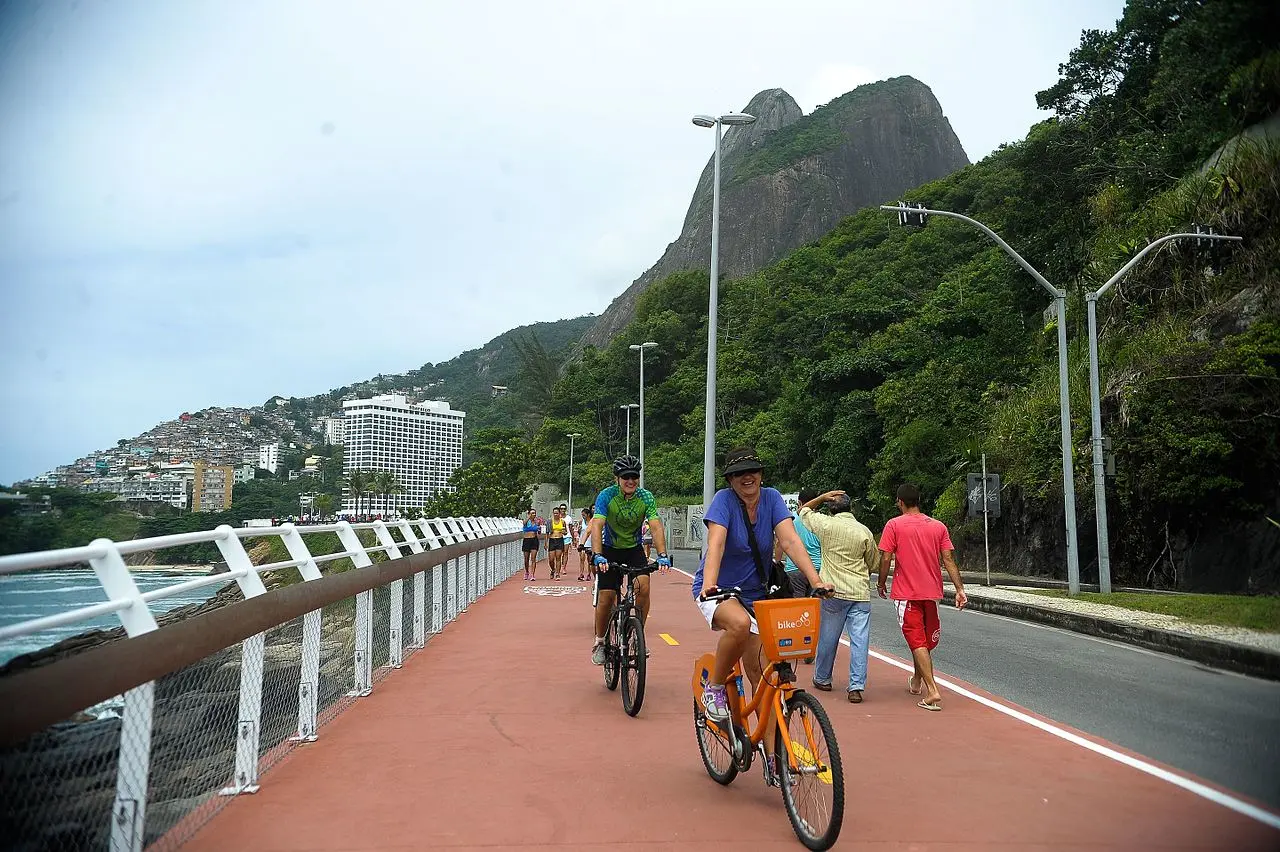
499	734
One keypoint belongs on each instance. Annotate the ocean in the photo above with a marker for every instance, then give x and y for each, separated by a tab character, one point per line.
35	594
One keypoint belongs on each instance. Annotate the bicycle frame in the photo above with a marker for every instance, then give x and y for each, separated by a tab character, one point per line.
772	695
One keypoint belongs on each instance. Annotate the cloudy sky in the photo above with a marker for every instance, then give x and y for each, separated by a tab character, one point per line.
207	202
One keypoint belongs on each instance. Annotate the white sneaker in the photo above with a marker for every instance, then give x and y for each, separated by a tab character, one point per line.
597	654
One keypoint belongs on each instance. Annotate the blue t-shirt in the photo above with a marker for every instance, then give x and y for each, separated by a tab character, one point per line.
811	544
738	566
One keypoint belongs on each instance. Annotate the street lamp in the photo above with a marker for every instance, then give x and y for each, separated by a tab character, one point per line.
1095	403
709	439
640	347
569	503
908	214
627	408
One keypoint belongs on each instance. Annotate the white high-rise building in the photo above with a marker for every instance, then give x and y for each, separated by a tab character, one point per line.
269	457
421	444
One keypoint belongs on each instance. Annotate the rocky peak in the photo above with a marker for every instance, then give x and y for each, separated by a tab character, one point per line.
788	179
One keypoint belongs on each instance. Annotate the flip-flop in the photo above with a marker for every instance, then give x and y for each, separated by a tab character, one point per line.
926	705
914	691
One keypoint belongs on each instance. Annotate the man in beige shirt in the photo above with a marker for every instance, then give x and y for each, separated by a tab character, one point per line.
848	555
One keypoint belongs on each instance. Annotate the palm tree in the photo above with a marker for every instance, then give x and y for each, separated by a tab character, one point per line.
386	483
357	483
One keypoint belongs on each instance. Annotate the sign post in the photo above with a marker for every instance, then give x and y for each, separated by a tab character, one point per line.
984	497
986	543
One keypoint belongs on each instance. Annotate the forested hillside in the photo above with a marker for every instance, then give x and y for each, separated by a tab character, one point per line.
880	354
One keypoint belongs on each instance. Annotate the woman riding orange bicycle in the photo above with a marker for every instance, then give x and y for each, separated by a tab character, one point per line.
742	522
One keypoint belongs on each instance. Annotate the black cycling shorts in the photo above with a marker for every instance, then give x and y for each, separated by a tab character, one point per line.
610	580
529	544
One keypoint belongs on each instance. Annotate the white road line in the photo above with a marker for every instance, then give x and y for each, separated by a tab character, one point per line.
1195	787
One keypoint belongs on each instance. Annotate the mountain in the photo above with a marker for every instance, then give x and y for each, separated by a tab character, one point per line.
788	179
222	434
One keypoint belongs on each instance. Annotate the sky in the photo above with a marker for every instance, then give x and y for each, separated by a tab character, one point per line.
210	202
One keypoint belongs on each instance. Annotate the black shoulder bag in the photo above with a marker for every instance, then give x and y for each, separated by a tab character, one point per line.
776	583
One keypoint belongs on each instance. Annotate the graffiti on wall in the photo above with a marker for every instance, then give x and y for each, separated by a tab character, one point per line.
695	528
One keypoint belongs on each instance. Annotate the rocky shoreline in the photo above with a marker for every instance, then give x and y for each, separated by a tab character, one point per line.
59	784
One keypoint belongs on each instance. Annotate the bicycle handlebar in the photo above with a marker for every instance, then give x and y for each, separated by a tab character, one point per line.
631	569
736	592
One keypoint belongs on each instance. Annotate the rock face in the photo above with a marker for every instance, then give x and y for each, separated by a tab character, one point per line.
788	179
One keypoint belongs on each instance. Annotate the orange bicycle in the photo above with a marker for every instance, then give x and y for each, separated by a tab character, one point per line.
812	776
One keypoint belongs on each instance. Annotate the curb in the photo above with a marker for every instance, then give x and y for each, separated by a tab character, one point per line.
1232	656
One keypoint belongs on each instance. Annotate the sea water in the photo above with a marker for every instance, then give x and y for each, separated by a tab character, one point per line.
36	594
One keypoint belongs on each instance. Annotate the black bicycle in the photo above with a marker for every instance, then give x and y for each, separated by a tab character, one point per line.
625	654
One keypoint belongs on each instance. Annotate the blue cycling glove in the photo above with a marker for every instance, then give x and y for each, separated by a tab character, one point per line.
600	561
664	560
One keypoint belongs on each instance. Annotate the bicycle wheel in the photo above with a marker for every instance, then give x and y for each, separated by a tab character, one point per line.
611	655
812	791
634	665
717	754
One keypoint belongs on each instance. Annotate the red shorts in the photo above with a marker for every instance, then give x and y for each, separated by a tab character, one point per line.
919	622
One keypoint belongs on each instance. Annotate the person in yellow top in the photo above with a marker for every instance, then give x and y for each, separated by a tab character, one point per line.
557	529
848	555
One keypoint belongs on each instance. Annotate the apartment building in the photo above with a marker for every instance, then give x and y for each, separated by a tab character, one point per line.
333	427
163	488
269	457
211	487
421	443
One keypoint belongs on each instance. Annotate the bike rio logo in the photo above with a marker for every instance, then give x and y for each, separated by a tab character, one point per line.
802	622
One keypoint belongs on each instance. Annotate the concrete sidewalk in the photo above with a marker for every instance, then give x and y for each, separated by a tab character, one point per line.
1251	652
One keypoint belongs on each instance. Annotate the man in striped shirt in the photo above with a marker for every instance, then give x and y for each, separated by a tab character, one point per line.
848	555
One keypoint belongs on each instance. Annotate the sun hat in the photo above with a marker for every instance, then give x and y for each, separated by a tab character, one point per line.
741	460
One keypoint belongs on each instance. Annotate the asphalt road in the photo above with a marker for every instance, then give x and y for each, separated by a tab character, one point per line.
1221	726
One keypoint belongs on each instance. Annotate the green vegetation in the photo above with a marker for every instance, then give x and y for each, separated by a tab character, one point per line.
1252	612
493	484
880	354
821	131
75	520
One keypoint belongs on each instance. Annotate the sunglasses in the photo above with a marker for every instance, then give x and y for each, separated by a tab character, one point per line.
629	477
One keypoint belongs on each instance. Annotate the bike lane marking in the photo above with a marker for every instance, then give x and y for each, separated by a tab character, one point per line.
1186	782
668	638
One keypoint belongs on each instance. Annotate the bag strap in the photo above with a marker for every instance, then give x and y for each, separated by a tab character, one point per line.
755	546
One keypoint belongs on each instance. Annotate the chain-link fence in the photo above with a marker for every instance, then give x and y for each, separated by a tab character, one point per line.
163	759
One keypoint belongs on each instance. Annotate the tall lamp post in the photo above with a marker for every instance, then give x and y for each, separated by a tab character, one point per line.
1095	402
569	503
628	408
709	440
640	347
916	215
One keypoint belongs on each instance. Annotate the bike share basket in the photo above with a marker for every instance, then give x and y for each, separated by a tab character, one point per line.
789	627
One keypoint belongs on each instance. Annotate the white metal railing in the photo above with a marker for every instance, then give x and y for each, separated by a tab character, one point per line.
455	584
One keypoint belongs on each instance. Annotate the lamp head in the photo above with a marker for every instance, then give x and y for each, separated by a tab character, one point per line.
704	121
737	118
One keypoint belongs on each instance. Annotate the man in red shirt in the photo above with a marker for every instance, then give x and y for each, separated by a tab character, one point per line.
916	542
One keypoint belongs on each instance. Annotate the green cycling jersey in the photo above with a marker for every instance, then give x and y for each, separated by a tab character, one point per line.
623	518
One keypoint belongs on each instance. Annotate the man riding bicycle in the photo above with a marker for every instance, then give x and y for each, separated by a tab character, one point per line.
621	510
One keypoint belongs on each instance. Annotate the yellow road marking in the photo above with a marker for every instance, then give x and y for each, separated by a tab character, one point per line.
666	637
807	758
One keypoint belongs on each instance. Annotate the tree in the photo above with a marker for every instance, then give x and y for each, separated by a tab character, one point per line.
496	484
324	504
385	483
358	482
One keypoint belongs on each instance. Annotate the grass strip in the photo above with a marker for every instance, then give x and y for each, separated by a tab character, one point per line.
1255	612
